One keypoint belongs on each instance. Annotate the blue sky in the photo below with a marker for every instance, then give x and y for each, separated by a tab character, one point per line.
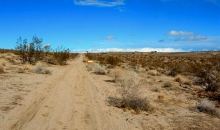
113	25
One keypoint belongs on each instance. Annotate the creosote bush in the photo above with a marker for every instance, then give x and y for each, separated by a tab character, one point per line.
61	55
30	52
35	51
208	71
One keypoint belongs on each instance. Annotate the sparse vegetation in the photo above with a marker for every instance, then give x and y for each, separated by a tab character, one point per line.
40	69
35	51
30	52
61	55
203	66
208	70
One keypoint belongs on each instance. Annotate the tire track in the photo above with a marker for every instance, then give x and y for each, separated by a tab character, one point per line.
73	102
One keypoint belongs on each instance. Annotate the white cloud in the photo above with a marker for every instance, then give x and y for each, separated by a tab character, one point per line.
100	3
180	33
195	38
131	50
110	37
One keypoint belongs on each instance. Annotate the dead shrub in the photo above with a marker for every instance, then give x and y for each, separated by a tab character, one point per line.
117	74
40	69
183	80
129	89
100	69
208	107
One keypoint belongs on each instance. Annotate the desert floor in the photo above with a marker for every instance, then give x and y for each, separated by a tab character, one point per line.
73	98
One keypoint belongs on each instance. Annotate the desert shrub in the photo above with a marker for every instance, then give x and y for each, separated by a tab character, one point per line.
113	60
117	74
31	52
208	107
40	69
208	72
100	69
129	89
22	49
90	56
173	69
61	55
182	80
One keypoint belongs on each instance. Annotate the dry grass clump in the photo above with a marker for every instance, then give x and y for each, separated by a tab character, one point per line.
183	80
128	86
137	104
40	69
97	68
208	107
117	74
100	69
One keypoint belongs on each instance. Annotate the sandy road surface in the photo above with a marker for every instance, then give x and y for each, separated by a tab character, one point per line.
71	102
72	98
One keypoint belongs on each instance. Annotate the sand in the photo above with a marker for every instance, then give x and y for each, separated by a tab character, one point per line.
73	98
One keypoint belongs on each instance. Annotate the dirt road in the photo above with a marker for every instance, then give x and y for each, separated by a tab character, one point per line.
73	98
71	102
